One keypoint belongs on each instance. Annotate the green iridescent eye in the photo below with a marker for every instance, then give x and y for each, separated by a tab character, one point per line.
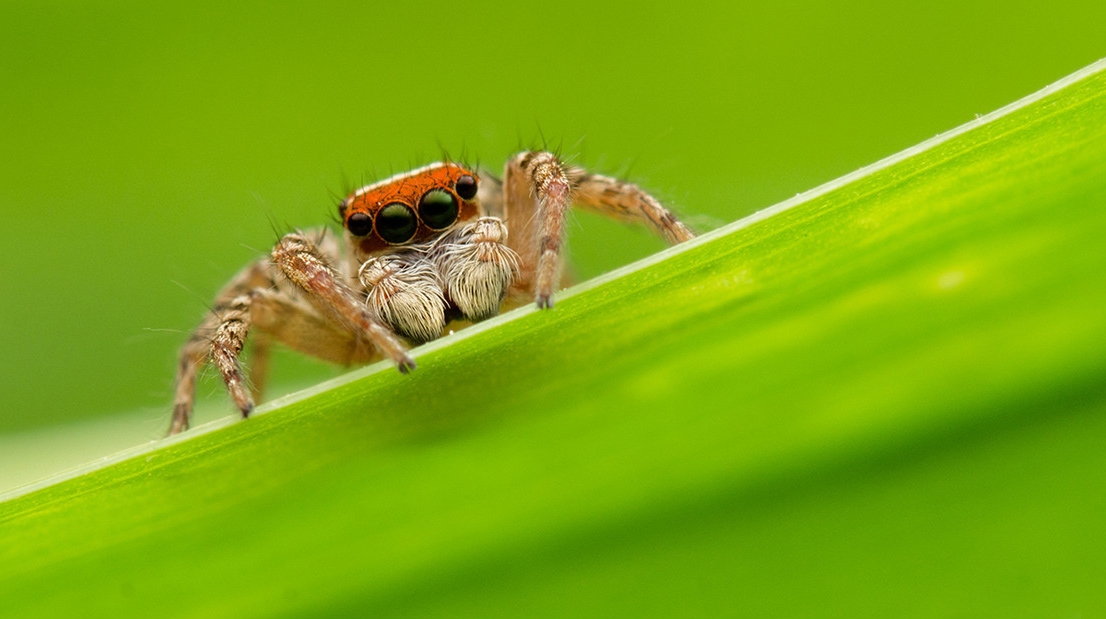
438	209
396	223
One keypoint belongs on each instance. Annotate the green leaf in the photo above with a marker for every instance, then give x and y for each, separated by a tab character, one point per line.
883	397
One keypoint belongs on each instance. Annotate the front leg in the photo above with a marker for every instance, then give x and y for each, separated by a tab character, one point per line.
538	190
306	267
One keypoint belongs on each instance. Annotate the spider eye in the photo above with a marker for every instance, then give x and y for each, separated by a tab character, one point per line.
438	209
396	223
359	224
466	187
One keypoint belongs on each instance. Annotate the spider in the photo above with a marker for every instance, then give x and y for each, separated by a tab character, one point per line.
421	249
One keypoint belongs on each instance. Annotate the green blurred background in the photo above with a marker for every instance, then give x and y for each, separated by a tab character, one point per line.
146	151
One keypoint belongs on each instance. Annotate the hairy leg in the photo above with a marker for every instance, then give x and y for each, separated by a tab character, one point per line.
627	202
260	347
198	349
305	266
297	298
537	192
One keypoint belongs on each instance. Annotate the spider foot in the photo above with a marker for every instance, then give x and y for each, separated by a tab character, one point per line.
406	364
180	419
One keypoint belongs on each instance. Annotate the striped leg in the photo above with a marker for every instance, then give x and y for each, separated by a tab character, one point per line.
538	190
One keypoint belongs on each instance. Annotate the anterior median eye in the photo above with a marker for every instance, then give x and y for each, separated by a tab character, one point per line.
438	209
359	224
396	223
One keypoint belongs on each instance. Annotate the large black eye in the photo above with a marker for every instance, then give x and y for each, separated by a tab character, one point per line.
359	224
466	187
438	209
396	223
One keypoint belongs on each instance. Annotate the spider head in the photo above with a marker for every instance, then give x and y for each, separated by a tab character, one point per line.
411	208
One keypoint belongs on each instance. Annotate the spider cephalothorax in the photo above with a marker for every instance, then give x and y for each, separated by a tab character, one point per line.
422	248
415	207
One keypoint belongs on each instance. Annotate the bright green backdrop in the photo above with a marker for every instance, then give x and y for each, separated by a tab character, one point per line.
882	398
146	150
145	147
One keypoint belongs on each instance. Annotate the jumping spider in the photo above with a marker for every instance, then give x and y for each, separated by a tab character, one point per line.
422	248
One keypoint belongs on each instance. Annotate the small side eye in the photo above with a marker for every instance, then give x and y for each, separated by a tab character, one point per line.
359	224
396	223
438	209
466	187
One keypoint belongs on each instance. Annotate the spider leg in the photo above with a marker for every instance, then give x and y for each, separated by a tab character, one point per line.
537	192
295	298
284	316
305	266
277	314
193	355
260	347
627	202
226	346
198	349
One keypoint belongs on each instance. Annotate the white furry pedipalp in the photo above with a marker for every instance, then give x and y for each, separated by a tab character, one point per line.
405	291
476	266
